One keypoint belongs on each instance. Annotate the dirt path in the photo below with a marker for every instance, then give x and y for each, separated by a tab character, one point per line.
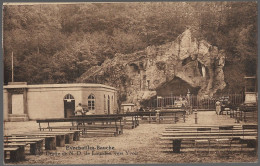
139	145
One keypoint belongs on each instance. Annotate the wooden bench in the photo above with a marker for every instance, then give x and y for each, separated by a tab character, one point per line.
84	129
76	133
84	123
245	113
101	130
201	131
250	140
129	119
222	138
67	135
50	140
169	116
53	139
36	144
16	153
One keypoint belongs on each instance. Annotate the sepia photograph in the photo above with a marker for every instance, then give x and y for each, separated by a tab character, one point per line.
130	82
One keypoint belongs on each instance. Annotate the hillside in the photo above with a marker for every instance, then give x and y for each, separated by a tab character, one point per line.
61	43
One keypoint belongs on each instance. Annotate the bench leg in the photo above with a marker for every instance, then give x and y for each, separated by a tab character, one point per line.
14	156
33	148
176	145
5	155
39	147
50	143
67	139
76	136
21	153
121	132
60	140
71	138
117	131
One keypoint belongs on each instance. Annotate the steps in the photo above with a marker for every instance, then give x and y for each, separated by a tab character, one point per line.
18	117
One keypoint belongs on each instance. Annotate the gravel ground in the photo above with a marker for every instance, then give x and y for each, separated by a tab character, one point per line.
135	146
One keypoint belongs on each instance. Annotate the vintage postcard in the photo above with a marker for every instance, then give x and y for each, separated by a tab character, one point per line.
130	83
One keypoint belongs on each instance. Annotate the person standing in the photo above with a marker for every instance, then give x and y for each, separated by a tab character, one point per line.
218	107
79	110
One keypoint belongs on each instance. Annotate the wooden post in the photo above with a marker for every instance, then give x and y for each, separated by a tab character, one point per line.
196	117
208	102
12	66
121	128
117	131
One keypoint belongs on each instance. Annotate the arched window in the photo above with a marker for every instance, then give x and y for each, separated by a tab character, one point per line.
108	104
91	102
69	97
105	102
112	102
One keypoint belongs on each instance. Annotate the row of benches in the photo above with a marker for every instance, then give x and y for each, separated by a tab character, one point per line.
114	122
60	131
15	144
209	138
164	116
245	113
60	134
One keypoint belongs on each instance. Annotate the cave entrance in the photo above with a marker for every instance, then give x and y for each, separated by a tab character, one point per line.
169	92
176	87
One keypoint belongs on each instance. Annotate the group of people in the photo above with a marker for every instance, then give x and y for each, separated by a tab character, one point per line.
181	102
79	111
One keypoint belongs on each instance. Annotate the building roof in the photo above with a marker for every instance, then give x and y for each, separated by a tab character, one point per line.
76	85
128	104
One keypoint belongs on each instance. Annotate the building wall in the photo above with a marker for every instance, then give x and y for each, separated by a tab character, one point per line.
48	102
5	104
100	107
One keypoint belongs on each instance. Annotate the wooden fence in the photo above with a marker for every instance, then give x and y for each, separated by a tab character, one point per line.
195	101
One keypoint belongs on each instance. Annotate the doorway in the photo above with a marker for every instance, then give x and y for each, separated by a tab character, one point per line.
69	106
17	104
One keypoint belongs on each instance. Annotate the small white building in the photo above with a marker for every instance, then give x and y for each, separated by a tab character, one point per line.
23	102
129	107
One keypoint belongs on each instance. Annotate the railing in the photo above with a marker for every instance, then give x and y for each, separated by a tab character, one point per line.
195	101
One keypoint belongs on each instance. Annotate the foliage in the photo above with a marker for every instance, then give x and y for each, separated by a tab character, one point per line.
57	43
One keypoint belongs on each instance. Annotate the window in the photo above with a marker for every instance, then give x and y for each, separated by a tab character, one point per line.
104	102
108	104
91	102
69	98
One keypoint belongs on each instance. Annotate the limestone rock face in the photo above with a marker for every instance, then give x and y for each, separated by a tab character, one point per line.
138	75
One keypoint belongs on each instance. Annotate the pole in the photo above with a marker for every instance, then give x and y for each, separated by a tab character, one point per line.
12	66
172	100
196	116
156	102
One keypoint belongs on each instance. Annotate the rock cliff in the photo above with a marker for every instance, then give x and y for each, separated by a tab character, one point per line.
139	75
